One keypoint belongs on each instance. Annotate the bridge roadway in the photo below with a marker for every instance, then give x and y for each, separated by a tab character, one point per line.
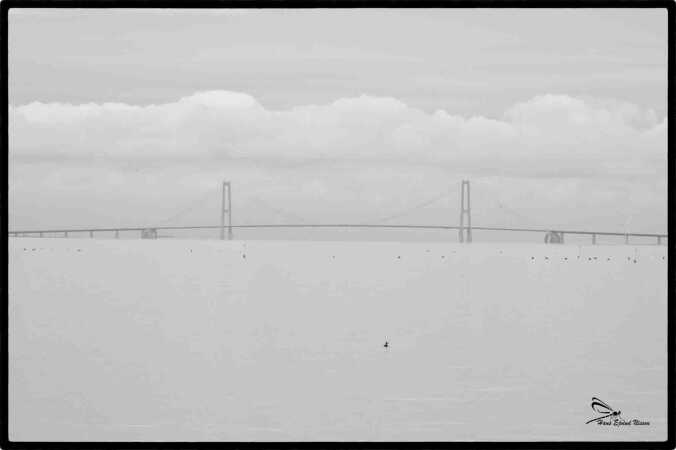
117	230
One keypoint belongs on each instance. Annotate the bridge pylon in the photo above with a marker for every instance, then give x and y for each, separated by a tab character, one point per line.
226	208
465	232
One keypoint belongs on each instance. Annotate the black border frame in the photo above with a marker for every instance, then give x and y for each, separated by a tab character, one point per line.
669	5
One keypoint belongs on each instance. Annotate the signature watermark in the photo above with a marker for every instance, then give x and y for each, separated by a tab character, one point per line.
610	417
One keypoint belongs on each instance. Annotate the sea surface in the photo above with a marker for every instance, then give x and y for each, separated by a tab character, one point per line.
157	340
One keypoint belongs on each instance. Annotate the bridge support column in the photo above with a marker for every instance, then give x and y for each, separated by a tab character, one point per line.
659	240
226	191
65	234
465	211
149	233
593	239
554	237
91	234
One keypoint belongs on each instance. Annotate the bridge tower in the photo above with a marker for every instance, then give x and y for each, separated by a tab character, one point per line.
226	207
465	211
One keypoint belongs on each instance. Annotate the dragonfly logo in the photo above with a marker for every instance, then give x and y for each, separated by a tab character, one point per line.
609	416
601	407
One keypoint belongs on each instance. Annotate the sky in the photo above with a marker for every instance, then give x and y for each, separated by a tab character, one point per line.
132	118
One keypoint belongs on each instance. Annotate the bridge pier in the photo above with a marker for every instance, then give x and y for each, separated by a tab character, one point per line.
91	234
554	237
65	234
659	240
226	194
594	239
149	233
465	211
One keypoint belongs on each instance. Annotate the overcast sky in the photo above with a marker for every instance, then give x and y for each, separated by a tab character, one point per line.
558	117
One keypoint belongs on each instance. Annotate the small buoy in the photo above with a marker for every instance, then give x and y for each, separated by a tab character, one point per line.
387	344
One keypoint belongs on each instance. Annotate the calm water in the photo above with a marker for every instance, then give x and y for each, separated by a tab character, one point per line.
188	340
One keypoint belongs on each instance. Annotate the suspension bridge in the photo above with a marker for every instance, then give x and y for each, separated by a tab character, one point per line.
226	226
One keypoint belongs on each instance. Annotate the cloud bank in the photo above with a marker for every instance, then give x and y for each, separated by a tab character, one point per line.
580	151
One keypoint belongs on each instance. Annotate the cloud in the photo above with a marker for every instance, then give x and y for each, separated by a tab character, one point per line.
373	153
538	137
